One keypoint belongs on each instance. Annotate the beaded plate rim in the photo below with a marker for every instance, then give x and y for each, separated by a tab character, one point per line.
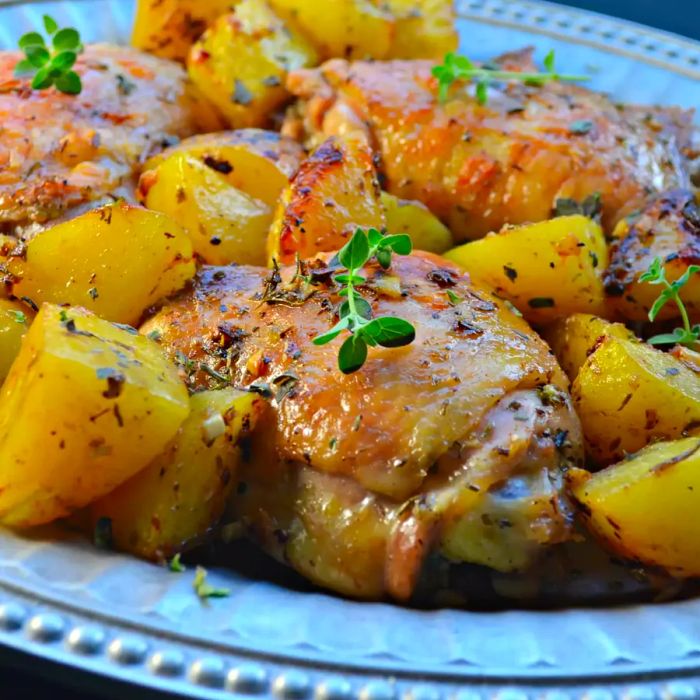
103	644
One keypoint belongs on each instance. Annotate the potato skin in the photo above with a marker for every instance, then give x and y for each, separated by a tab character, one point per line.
86	405
335	191
427	232
15	319
628	394
240	63
645	508
424	28
176	501
168	28
575	338
548	270
350	29
669	228
115	261
257	162
225	225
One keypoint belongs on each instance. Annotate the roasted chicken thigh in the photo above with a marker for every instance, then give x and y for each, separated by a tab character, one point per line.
59	151
455	444
507	162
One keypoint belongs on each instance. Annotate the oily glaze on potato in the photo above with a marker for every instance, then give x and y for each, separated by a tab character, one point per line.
86	405
15	319
168	28
257	162
348	28
669	228
335	192
424	28
427	232
225	225
573	339
115	261
240	63
548	270
181	495
628	394
645	508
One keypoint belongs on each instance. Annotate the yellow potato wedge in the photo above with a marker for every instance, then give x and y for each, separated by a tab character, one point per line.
548	270
168	28
414	218
86	405
424	28
225	225
645	508
628	394
574	339
15	319
116	261
181	495
257	162
240	63
353	29
335	192
690	358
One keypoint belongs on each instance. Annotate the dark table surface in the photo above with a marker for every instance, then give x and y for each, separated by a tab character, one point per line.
680	16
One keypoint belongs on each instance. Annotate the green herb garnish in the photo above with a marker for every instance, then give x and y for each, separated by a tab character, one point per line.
18	316
455	67
203	589
175	565
656	274
51	66
355	312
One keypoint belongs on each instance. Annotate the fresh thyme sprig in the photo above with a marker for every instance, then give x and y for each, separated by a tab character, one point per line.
455	67
656	274
355	311
205	590
51	67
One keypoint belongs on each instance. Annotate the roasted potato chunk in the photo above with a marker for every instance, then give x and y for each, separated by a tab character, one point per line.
548	270
225	224
645	507
352	29
669	228
424	28
257	162
241	62
414	218
628	394
181	495
335	192
116	261
168	28
574	339
14	323
86	405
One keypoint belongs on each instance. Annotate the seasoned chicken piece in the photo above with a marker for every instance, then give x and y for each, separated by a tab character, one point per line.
58	151
454	444
667	228
480	167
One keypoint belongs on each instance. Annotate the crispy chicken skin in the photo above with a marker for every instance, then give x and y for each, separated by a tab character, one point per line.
480	167
58	151
667	228
454	444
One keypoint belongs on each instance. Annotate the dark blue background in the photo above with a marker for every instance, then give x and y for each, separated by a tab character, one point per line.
681	16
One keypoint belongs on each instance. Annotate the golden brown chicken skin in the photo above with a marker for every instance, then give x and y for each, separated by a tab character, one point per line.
59	151
480	167
668	228
453	444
